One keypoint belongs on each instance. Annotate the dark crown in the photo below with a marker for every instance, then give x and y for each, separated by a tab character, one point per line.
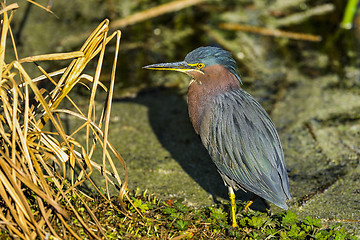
213	56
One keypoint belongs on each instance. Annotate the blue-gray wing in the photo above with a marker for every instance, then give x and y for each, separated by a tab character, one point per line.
244	144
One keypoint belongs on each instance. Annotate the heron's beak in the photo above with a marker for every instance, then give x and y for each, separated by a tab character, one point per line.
176	66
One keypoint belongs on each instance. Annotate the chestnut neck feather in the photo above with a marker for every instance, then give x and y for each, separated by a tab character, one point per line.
215	80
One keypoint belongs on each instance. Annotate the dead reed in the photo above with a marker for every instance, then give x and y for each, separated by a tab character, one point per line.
37	167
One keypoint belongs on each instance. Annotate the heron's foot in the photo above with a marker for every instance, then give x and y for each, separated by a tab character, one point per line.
248	205
233	207
235	225
250	202
233	212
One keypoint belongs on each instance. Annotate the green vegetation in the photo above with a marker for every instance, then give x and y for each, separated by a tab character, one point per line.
168	219
172	218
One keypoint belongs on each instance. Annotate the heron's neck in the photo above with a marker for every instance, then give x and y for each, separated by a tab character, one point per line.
205	87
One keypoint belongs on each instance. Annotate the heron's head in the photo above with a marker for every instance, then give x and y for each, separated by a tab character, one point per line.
200	59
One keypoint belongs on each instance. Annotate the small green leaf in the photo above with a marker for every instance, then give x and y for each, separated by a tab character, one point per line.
256	222
312	221
218	214
140	205
296	233
181	225
289	218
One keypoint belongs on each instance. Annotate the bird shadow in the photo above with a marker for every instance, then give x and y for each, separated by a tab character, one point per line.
168	117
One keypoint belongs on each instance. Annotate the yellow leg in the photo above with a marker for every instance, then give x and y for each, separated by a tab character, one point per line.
233	207
250	202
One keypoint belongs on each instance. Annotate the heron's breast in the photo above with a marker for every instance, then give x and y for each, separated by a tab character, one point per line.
204	89
198	105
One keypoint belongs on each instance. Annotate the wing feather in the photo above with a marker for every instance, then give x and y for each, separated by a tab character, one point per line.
244	144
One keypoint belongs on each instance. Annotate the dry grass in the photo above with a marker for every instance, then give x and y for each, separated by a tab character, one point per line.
35	163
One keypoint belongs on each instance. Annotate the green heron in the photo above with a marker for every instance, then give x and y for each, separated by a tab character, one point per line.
237	132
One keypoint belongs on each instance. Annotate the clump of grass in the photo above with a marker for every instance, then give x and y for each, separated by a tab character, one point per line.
38	181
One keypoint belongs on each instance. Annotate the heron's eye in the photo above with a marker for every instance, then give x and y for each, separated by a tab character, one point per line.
199	65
